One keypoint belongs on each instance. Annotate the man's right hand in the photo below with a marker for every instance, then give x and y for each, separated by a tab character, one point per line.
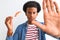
9	25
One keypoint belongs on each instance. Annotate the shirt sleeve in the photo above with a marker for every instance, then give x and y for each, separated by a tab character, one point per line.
9	38
14	37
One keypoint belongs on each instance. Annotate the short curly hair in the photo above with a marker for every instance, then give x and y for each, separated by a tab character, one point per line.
30	4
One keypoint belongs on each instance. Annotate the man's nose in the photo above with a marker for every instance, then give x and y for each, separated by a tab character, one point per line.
31	14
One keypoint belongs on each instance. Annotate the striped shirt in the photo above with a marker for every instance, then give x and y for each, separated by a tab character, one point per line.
32	33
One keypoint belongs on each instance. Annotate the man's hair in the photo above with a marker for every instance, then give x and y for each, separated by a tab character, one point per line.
30	4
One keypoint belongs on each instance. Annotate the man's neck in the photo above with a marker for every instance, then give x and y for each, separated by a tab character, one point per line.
30	22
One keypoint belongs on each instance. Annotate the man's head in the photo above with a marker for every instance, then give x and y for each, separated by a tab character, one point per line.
31	9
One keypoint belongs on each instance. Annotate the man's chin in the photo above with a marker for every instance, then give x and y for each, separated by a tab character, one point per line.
31	20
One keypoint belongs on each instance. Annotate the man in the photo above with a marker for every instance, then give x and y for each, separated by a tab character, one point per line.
29	31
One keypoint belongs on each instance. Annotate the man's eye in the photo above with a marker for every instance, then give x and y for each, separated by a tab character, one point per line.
33	12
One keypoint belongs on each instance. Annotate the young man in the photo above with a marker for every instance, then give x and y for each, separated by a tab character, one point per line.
31	30
27	30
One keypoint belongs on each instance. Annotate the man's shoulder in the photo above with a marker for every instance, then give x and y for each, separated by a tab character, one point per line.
22	25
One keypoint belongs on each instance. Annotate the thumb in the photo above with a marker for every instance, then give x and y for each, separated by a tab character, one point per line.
38	24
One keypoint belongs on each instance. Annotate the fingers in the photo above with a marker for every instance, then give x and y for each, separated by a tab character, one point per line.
38	24
44	6
56	6
45	9
48	5
17	13
8	20
52	5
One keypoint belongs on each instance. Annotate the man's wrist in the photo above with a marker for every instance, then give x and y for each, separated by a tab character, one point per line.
10	32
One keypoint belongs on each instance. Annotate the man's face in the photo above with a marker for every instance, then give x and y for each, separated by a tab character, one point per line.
31	13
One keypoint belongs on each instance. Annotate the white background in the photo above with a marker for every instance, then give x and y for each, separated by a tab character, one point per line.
9	8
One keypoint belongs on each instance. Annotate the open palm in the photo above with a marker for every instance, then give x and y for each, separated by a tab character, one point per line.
51	18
